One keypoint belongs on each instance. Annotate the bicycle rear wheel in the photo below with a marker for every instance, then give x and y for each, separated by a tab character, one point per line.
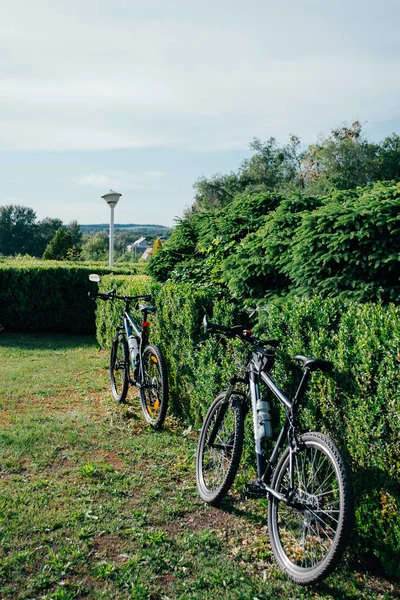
154	387
220	448
308	534
119	367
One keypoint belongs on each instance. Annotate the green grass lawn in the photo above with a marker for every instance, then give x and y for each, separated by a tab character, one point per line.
94	504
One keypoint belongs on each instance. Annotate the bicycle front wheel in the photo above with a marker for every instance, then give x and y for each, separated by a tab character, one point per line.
219	448
154	387
119	368
309	533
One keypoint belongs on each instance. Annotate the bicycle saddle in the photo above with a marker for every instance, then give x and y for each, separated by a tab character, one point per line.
148	308
314	363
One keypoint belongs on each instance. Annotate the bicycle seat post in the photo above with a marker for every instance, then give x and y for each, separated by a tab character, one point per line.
301	390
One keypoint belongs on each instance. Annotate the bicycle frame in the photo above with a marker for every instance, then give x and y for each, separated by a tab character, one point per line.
304	478
131	328
265	466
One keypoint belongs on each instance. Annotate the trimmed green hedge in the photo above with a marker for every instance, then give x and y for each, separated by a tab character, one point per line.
46	296
358	405
177	329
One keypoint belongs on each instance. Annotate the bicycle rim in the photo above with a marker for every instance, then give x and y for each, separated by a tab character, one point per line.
308	535
154	390
220	448
119	364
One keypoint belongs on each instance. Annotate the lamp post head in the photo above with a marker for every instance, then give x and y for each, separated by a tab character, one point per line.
112	198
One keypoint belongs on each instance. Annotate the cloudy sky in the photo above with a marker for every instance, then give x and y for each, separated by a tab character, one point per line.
145	98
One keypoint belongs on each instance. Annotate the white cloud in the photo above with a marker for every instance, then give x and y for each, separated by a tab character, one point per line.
101	74
119	180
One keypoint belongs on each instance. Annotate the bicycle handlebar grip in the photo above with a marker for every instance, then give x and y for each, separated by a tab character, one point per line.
221	328
95	295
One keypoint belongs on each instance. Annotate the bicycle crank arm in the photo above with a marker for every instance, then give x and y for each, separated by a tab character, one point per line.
259	489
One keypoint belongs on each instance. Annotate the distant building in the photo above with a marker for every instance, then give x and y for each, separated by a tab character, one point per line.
147	253
139	246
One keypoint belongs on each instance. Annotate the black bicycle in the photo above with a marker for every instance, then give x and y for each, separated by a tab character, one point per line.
135	362
305	478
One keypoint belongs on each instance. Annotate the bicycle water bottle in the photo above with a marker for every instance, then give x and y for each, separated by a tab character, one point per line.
133	348
264	422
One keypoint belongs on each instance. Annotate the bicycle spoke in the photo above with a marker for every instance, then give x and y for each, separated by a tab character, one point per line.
308	529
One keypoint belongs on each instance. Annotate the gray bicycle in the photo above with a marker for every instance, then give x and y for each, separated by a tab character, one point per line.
305	478
136	362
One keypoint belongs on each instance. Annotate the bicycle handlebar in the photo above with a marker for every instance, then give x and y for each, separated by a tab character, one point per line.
111	295
237	331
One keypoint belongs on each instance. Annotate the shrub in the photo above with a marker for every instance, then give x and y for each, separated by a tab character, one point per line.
59	246
358	405
345	244
46	296
349	246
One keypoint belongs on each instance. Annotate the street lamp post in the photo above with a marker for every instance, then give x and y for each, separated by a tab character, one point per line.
112	198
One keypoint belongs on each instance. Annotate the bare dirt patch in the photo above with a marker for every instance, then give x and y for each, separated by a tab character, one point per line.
110	547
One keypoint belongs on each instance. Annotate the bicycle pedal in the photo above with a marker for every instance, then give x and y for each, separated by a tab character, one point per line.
254	489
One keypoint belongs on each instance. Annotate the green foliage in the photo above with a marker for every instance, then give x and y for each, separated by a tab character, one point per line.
96	247
258	264
16	229
200	242
20	233
47	296
180	247
343	160
358	405
216	192
271	168
344	244
76	233
350	246
59	247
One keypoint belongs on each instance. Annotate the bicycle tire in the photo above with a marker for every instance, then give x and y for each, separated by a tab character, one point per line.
308	540
219	448
119	368
154	387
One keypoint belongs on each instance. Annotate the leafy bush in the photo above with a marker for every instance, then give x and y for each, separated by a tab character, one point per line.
345	244
350	246
358	405
258	265
46	296
59	246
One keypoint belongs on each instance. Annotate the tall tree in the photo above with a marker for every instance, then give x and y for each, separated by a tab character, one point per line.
343	160
272	167
59	246
76	233
215	192
45	231
17	229
96	247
